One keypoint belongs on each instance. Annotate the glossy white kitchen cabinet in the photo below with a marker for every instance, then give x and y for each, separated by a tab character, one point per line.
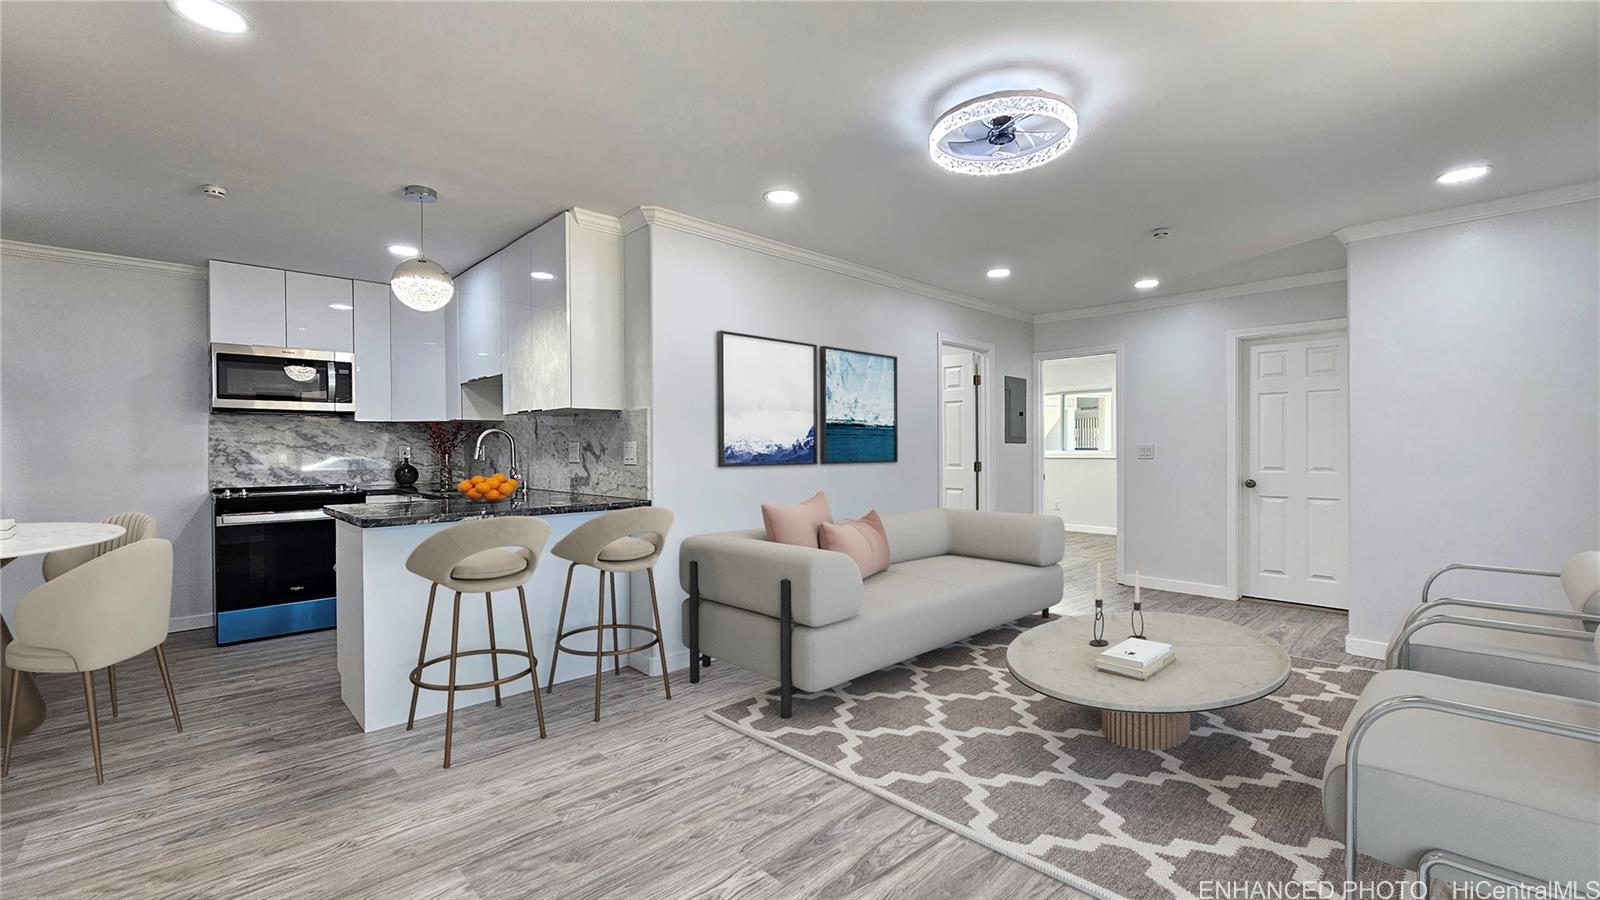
318	310
371	342
418	389
479	320
247	305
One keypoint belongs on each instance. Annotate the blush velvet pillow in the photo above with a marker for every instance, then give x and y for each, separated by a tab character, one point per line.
798	523
863	540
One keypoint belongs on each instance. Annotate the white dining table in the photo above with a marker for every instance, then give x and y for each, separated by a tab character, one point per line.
36	539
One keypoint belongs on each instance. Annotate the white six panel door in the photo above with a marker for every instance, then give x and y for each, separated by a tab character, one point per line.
1297	451
958	432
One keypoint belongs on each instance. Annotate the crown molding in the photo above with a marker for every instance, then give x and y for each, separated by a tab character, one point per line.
102	260
1309	279
1561	196
588	218
677	221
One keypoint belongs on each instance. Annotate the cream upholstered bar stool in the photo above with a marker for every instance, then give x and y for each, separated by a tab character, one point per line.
102	612
608	544
478	556
136	526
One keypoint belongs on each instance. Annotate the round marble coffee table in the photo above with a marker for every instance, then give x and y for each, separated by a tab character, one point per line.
1219	664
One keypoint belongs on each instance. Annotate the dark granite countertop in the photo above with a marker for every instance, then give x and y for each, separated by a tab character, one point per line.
428	511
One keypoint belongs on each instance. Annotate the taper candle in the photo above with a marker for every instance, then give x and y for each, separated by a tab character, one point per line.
1099	590
1137	596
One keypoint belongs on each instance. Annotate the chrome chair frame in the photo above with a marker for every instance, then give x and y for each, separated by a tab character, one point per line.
1427	586
1437	857
1399	655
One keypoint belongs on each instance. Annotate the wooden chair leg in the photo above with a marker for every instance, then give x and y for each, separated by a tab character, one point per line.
616	632
11	719
422	655
94	726
599	644
533	661
450	701
494	658
166	682
661	645
561	629
111	676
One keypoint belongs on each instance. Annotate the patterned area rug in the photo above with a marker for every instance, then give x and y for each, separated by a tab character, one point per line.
953	737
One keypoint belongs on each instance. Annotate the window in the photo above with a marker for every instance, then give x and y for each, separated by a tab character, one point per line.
1079	424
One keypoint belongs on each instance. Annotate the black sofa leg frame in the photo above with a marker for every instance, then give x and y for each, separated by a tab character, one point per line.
785	650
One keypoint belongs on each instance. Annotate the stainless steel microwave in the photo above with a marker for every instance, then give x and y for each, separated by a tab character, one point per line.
282	379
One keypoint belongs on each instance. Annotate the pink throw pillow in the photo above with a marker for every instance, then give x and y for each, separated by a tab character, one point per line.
863	540
796	524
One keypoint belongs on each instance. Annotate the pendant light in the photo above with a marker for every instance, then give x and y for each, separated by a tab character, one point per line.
419	282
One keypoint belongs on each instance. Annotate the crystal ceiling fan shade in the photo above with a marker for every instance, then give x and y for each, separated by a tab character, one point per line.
1003	133
419	282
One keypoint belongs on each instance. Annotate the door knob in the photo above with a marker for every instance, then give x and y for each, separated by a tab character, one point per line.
1249	482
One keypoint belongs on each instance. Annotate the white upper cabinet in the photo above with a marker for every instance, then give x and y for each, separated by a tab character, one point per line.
479	320
371	342
247	305
418	364
319	312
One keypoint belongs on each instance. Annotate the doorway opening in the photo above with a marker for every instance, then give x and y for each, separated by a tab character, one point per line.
1078	457
964	415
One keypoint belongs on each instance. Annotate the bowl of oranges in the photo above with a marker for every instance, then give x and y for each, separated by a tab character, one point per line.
487	488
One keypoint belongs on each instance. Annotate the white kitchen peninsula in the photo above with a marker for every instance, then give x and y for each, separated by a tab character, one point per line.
381	605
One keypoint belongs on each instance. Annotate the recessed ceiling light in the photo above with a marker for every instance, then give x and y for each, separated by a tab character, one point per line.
340	306
1145	284
403	250
541	276
211	14
1003	132
1463	174
781	197
1001	272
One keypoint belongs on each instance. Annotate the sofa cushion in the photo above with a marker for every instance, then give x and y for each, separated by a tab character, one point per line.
1011	537
997	592
796	523
917	535
1566	666
1508	796
863	540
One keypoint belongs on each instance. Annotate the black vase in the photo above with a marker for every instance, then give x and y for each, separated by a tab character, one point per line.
405	474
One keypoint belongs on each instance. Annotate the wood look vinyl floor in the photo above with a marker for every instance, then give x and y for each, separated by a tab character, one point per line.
273	792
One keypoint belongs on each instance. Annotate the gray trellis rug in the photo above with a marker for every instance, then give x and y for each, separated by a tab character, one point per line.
953	737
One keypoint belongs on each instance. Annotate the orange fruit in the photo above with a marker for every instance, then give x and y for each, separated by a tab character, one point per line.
478	479
474	495
464	485
491	495
509	486
498	477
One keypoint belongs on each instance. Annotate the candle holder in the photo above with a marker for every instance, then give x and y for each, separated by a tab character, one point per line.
1099	639
1136	619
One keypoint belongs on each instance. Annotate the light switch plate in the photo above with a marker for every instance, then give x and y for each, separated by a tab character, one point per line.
1144	451
630	453
574	451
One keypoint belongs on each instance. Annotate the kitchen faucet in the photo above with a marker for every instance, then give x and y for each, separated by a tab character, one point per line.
515	471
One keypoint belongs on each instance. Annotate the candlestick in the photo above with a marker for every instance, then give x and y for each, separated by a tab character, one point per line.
1099	639
1136	618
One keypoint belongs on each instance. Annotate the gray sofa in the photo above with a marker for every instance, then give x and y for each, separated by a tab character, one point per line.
806	618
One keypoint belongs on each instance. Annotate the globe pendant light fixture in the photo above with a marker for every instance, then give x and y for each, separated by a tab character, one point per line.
419	282
1003	132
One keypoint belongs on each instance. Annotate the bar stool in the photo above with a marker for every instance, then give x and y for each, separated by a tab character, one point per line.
608	545
479	555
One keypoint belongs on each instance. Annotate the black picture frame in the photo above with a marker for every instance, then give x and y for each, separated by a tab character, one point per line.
822	418
816	403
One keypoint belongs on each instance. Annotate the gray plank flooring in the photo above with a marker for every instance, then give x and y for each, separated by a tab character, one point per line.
272	791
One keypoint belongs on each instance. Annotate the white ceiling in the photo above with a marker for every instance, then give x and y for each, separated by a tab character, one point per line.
1254	130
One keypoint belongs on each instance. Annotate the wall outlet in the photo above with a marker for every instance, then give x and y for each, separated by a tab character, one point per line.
1144	451
1057	506
630	453
574	451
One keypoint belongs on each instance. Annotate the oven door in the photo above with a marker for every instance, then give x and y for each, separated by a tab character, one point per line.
274	574
278	378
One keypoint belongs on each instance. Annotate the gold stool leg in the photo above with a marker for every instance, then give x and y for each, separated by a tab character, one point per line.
111	675
599	644
661	646
533	662
494	659
11	720
616	633
166	682
422	655
94	726
561	626
450	702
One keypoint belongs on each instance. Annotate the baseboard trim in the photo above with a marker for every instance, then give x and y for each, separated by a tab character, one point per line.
650	663
189	623
1090	529
1197	588
1362	647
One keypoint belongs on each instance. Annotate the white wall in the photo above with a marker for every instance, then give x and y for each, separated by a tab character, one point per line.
103	407
1174	395
1081	490
1474	407
700	286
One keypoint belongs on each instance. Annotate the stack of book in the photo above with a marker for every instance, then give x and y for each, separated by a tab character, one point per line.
1136	658
8	527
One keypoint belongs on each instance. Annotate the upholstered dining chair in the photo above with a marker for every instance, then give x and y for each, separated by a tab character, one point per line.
136	526
101	612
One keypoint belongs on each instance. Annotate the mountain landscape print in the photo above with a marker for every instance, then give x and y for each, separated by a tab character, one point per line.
768	408
858	407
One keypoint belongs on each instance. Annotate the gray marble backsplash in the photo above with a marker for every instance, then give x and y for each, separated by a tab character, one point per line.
251	449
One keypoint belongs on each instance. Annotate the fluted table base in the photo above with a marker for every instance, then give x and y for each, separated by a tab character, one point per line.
1144	731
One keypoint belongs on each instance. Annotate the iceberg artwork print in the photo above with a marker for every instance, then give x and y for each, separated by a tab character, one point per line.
858	407
768	401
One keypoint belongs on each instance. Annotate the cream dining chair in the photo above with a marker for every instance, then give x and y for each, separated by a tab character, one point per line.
101	612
